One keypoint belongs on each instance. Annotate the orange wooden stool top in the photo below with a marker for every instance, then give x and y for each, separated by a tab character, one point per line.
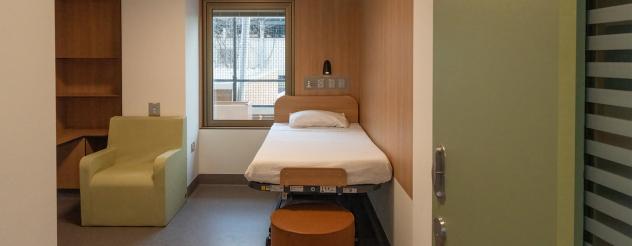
312	224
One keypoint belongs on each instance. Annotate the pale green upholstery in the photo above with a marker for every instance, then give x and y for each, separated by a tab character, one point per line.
140	178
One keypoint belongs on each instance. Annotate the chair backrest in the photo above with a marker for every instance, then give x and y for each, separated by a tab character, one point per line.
135	136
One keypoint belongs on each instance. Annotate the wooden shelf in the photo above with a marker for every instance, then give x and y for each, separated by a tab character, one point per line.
87	95
88	80
88	28
88	59
68	135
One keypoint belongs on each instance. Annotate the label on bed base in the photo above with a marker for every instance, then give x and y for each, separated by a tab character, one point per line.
328	189
313	189
349	190
296	188
276	188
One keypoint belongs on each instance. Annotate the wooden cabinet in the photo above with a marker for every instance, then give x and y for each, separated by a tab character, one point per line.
88	84
69	155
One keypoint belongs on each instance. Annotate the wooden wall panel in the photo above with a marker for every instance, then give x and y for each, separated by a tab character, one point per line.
286	105
88	77
90	112
88	28
386	73
60	116
68	157
327	29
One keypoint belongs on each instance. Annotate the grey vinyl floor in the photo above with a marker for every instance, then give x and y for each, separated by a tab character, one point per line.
214	215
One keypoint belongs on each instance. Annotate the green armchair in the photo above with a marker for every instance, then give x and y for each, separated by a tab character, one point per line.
140	178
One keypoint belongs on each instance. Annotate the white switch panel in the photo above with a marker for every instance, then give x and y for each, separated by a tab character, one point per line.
325	83
154	109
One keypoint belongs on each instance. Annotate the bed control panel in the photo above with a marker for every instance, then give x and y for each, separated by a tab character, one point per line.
314	189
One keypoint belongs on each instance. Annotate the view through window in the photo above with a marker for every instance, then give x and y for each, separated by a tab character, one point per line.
248	70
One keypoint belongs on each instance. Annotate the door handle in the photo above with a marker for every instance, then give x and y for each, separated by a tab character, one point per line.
438	173
439	231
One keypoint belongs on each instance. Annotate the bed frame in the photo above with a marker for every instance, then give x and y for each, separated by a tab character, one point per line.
315	184
314	180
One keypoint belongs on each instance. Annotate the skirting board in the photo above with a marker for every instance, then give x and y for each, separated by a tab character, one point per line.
232	179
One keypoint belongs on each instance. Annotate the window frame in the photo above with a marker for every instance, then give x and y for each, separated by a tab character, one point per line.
206	92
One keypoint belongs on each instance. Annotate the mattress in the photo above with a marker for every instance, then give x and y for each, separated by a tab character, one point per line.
348	148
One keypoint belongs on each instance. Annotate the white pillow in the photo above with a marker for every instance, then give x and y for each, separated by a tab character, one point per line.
318	118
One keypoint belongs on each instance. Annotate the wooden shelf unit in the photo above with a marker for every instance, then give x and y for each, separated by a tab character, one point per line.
88	65
86	95
68	135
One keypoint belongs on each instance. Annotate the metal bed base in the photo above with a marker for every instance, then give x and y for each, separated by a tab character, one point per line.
308	193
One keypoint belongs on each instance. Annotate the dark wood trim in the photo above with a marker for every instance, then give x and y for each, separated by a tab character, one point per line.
233	179
216	179
194	184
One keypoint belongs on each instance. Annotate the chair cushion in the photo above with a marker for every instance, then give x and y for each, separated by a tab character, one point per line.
125	174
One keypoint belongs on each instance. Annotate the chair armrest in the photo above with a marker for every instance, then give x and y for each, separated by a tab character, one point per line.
95	162
164	160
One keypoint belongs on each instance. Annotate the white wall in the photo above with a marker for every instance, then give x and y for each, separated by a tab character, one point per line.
394	209
422	121
228	151
402	217
27	102
192	84
153	46
161	63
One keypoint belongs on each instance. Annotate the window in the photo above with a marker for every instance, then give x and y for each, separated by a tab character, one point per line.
248	62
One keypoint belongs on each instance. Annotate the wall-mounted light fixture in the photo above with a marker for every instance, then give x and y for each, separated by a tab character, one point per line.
326	81
327	68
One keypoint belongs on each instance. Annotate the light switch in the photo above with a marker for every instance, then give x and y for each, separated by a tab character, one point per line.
154	109
320	84
331	83
342	83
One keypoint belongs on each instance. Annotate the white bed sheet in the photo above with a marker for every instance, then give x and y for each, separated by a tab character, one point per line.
347	148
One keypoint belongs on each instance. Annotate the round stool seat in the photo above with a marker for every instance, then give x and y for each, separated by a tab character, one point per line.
312	224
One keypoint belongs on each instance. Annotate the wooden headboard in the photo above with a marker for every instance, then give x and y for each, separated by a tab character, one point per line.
340	104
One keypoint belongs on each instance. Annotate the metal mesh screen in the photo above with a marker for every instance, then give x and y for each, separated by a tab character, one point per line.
248	63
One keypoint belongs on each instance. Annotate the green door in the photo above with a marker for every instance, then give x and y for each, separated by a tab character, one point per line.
504	111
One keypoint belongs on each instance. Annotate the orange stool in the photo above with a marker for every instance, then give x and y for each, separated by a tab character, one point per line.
312	224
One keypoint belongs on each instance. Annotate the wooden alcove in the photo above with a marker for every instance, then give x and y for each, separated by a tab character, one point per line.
88	80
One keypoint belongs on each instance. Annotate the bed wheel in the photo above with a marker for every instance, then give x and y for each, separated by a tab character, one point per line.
269	242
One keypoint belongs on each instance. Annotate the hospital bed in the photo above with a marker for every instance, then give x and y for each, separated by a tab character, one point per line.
322	164
321	160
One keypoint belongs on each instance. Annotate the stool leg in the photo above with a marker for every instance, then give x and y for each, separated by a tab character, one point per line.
269	238
279	202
